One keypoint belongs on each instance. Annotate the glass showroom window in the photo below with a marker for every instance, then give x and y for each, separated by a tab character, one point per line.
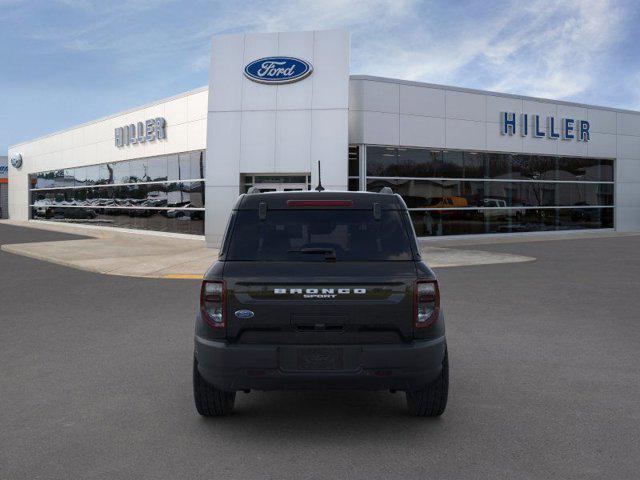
453	192
164	193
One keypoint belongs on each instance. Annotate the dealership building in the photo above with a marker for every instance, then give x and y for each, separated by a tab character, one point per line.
465	161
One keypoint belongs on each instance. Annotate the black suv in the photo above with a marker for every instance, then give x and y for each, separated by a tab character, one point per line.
320	290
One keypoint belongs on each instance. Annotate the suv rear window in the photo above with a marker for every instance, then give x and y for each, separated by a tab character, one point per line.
318	235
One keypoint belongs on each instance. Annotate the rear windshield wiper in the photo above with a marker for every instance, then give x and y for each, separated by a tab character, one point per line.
329	253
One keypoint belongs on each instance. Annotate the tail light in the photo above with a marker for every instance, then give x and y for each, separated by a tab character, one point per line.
427	303
212	299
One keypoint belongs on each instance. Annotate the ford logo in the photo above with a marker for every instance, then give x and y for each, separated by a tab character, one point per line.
278	70
244	313
16	160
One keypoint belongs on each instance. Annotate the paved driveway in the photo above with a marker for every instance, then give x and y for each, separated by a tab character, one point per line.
95	380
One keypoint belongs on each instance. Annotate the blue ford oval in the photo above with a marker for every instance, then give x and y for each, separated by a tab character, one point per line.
278	70
244	314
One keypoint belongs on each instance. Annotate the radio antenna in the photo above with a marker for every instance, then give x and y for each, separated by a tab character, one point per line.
319	188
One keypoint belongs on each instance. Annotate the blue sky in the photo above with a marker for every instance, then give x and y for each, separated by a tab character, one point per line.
65	62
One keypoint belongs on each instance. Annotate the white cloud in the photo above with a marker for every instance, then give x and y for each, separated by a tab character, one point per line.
540	48
545	49
566	40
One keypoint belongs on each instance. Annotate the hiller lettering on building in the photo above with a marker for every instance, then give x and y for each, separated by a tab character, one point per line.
525	124
147	131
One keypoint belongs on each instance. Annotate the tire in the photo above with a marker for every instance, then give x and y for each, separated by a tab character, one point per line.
432	401
210	402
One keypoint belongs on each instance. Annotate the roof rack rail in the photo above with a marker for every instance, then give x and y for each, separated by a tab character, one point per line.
253	190
386	190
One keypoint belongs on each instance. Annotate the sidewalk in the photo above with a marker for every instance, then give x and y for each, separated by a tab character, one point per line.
119	252
159	255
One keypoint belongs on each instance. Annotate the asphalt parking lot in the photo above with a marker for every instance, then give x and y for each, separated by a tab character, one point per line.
96	380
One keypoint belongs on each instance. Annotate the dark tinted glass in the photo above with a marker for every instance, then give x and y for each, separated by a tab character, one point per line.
354	161
416	162
59	197
80	197
121	172
58	178
157	169
534	167
69	177
606	170
103	196
156	195
178	194
475	165
138	170
151	219
452	165
196	165
184	166
403	162
435	193
129	195
578	194
585	169
509	220
462	193
353	235
45	180
381	161
416	193
173	167
498	165
196	195
105	173
121	196
80	176
92	175
584	218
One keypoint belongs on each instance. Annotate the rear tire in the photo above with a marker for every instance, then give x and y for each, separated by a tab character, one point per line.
210	401
432	401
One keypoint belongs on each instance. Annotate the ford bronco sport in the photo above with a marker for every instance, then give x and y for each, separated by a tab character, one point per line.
320	290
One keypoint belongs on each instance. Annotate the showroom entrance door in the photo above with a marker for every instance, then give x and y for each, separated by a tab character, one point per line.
276	183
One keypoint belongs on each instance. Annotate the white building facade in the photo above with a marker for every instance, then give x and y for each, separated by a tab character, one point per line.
466	161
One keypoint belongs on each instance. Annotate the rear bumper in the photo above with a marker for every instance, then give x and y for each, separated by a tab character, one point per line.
292	367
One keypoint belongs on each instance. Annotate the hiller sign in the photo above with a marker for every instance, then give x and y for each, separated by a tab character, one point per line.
525	124
147	131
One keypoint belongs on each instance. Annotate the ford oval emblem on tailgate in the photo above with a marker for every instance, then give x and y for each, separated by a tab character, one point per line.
244	313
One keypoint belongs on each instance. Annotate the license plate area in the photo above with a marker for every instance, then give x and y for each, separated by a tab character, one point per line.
320	358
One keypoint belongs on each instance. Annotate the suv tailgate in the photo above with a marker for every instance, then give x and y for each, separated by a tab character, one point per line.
320	302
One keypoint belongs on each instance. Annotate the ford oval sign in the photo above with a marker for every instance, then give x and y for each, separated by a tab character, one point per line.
278	70
16	160
244	313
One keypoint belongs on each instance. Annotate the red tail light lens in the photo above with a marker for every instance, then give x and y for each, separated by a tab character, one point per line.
426	303
212	300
